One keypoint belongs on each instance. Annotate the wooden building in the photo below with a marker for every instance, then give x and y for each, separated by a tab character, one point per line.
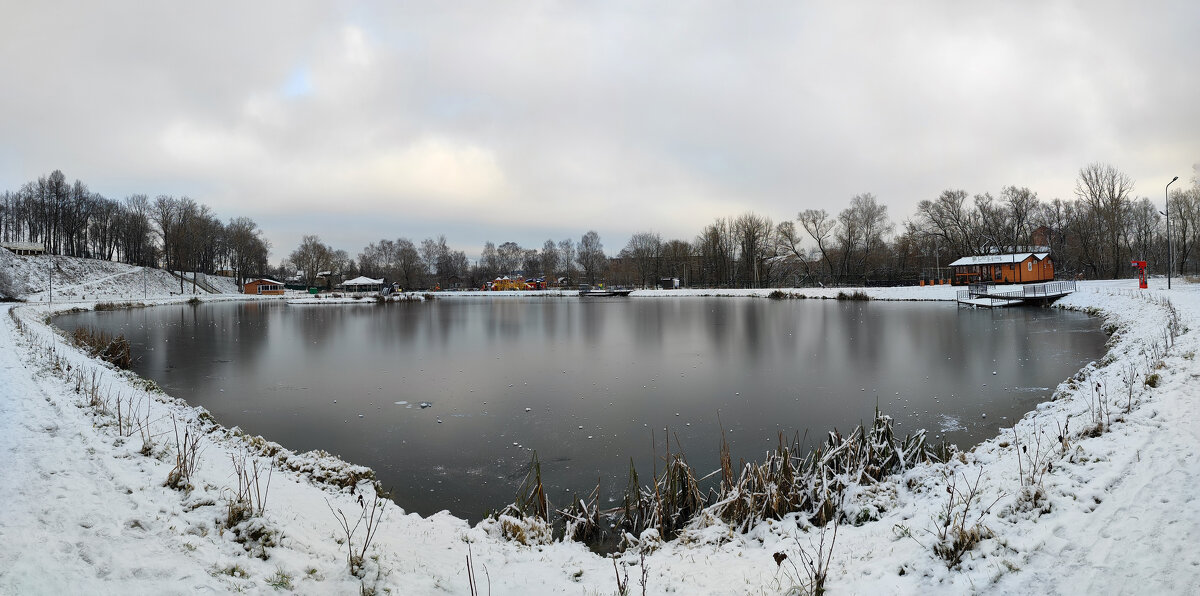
1001	268
264	287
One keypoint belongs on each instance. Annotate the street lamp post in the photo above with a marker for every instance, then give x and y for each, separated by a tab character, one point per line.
1167	204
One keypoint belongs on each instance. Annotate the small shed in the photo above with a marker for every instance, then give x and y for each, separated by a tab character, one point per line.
24	248
264	287
362	284
1000	268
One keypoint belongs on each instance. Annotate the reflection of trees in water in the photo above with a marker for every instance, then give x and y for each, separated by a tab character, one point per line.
795	365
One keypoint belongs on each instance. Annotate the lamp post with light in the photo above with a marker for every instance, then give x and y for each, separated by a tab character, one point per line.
1167	204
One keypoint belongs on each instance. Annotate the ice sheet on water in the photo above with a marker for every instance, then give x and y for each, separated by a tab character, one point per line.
948	423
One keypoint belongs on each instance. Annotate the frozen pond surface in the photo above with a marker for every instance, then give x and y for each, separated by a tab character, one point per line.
446	400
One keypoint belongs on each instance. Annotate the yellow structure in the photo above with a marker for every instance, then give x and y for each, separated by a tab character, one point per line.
507	283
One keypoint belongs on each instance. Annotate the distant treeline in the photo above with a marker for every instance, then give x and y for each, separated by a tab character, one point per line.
175	233
1095	235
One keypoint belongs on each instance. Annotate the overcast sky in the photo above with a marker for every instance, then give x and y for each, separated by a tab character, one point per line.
522	121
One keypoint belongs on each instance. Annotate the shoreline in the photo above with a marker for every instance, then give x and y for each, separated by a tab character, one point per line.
986	452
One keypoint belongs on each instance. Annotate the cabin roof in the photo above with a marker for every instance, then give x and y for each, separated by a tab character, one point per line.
264	280
999	259
37	246
362	280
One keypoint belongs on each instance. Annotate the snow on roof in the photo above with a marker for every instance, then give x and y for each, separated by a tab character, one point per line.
362	281
265	280
998	259
23	245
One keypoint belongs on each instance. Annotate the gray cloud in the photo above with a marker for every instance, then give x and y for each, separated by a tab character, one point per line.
537	120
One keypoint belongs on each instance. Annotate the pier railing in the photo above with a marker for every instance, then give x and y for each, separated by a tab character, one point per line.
993	294
1056	288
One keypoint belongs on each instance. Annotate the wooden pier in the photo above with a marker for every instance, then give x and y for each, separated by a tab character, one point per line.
996	296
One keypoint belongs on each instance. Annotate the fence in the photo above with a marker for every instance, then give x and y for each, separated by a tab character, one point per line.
1029	292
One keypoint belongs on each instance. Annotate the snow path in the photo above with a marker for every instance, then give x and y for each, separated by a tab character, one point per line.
1143	535
94	281
39	432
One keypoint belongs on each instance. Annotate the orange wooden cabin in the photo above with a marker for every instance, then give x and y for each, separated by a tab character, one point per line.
1011	268
264	286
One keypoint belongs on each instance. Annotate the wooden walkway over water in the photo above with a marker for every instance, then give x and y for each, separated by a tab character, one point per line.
996	296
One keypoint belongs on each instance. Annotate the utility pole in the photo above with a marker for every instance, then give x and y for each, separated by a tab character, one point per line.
1167	204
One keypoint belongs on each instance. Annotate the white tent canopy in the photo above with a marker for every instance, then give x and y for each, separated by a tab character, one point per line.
362	284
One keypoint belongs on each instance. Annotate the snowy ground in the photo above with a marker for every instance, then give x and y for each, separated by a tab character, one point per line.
86	509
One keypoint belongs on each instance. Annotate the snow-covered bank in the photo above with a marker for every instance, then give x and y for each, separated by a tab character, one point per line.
87	511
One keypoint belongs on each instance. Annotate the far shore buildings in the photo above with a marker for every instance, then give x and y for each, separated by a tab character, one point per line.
362	284
1031	266
264	287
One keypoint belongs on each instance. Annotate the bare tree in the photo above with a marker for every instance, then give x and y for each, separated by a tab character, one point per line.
644	251
566	258
753	233
861	230
591	255
1106	191
311	257
1144	221
247	249
819	226
951	220
678	261
411	271
1022	204
717	250
788	243
510	255
1185	224
549	258
489	261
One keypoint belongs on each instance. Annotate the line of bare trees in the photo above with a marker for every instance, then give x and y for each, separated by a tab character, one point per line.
1096	234
434	264
176	233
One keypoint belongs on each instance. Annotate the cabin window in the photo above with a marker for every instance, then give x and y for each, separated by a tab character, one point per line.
1029	266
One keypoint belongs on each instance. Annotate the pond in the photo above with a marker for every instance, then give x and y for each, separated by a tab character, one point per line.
592	384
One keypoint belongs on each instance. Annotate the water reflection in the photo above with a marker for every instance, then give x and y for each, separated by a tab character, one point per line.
604	379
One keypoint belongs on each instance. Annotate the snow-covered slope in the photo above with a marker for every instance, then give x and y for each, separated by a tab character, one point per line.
44	278
86	509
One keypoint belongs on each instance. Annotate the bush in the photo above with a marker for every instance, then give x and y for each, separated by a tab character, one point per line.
7	287
856	295
1152	380
102	345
